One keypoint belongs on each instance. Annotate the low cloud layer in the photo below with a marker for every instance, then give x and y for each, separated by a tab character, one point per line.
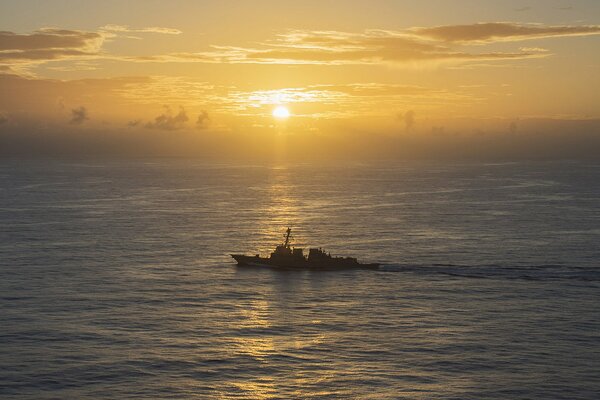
533	140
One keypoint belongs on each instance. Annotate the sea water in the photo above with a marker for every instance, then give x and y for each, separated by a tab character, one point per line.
116	281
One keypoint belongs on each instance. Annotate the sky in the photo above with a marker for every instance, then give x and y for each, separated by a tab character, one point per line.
360	79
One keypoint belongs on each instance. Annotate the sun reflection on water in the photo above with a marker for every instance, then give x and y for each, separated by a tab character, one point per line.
282	210
254	314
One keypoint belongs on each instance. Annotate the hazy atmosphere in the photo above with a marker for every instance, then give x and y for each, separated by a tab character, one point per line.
371	200
367	80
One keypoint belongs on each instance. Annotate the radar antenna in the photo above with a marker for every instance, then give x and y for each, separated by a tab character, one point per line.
287	237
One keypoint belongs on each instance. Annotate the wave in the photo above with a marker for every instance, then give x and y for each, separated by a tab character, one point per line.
527	272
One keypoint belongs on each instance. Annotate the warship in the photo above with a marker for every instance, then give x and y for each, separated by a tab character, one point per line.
287	257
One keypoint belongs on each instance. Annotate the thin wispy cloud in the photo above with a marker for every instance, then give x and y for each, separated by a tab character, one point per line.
150	29
339	48
502	32
413	45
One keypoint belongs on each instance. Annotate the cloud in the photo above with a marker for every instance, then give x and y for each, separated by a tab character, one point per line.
378	89
151	29
203	120
489	32
48	44
408	118
124	98
337	48
413	45
19	51
521	9
49	38
339	100
3	118
410	46
40	96
79	115
534	49
169	122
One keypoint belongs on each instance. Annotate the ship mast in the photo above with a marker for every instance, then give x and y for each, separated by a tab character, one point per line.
287	237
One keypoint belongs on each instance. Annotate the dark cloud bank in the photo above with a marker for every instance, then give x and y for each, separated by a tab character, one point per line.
533	139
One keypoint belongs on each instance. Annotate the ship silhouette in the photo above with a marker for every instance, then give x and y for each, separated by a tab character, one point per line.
288	257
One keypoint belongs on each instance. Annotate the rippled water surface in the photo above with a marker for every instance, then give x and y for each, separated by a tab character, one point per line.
115	281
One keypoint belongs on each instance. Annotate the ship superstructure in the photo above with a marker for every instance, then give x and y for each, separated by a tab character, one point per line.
285	256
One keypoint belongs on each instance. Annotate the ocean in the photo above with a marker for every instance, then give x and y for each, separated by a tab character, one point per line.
116	281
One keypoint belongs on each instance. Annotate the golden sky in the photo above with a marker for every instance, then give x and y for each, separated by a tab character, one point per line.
210	73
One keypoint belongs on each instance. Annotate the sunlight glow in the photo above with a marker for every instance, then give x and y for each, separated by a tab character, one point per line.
281	112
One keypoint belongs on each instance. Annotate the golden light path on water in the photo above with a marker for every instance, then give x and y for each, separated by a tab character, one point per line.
262	318
282	211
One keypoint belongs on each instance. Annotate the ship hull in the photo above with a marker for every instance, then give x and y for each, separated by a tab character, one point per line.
300	264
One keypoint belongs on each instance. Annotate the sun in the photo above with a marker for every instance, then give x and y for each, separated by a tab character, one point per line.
281	112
